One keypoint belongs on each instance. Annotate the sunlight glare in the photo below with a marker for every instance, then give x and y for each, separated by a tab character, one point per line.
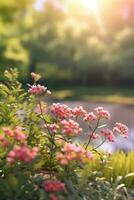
92	5
86	5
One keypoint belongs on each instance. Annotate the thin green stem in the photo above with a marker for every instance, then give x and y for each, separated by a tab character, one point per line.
99	144
51	140
93	130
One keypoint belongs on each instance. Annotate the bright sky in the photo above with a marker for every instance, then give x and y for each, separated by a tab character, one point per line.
86	5
39	3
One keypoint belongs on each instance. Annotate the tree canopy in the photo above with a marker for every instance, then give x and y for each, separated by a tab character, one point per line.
89	47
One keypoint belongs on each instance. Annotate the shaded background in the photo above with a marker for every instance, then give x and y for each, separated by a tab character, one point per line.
69	41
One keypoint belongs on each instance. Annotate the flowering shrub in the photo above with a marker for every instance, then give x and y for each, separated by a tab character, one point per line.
40	157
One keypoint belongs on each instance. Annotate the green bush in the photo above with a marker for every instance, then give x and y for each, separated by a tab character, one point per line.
39	158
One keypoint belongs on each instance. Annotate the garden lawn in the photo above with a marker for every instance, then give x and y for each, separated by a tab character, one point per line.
96	94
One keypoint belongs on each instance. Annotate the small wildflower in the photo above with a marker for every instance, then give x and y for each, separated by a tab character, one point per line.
71	152
22	153
8	132
93	136
19	135
37	89
78	111
108	134
54	128
70	127
89	117
101	113
61	111
121	128
53	186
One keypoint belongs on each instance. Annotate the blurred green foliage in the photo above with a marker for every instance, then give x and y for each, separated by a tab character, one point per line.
95	94
119	164
68	46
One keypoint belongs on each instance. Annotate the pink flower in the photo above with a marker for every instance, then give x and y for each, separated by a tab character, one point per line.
19	135
68	154
121	128
89	117
53	186
71	152
61	111
37	89
70	127
108	134
93	136
62	159
101	113
22	153
78	111
8	132
54	128
69	147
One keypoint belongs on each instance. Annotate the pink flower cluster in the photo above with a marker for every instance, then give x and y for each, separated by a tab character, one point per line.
72	152
78	111
17	133
108	134
93	136
101	113
121	128
90	117
53	186
70	127
22	153
8	132
37	89
10	135
19	152
54	128
61	111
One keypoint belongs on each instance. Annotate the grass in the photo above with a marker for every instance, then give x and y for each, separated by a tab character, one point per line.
114	169
96	94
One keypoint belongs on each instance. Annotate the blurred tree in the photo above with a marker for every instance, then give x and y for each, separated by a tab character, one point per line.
40	37
122	64
69	40
11	10
12	15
